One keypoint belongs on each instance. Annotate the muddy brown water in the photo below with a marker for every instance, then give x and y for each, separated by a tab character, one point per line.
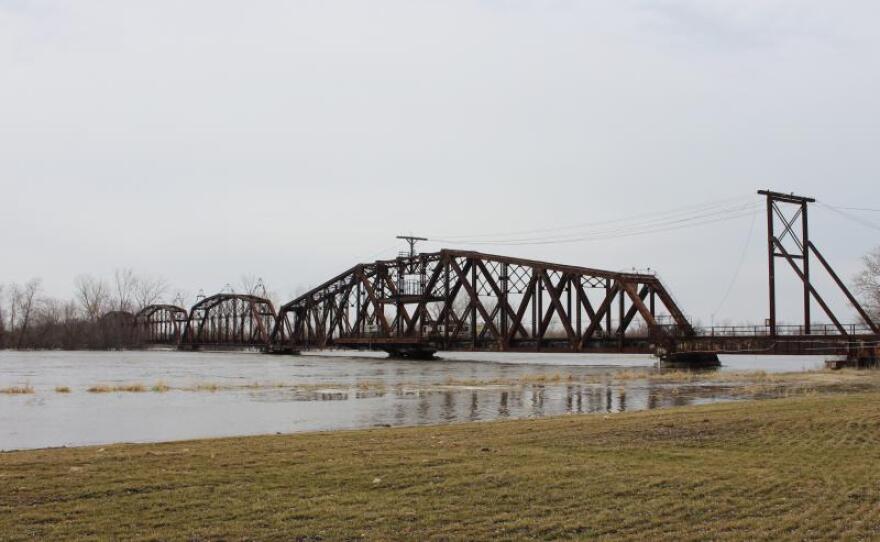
231	394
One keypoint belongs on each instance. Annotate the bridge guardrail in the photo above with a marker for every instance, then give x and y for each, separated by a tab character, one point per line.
792	330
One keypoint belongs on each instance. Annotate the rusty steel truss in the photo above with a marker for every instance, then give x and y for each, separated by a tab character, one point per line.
453	300
229	320
417	304
160	325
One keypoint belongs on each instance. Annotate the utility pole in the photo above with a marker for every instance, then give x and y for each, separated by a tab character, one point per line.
412	243
790	211
411	266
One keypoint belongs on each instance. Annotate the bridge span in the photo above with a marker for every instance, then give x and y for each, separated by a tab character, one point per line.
418	304
463	300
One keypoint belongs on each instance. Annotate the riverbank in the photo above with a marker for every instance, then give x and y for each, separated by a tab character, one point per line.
803	467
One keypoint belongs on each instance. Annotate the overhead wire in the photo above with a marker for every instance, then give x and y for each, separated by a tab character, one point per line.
377	253
742	259
651	216
851	217
657	224
866	209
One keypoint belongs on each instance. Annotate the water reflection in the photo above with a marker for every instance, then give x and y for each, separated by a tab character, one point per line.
401	405
450	405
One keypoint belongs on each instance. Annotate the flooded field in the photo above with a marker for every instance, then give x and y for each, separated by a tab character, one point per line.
77	398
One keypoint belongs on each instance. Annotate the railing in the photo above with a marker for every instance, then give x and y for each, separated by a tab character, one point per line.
791	330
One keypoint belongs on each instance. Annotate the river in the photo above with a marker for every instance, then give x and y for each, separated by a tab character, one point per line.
186	395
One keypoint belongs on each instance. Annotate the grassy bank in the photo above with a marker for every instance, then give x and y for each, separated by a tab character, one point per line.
805	467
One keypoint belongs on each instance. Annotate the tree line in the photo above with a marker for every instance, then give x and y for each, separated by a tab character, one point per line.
29	319
97	316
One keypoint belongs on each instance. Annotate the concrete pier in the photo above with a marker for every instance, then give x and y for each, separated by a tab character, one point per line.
853	362
690	360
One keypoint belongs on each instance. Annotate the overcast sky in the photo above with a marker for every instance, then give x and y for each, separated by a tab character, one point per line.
201	140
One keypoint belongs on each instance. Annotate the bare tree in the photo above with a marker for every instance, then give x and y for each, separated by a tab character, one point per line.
48	323
51	311
13	299
150	290
93	296
182	298
868	283
72	323
2	320
125	285
251	285
26	301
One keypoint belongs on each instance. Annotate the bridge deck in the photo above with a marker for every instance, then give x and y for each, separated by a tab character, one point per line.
829	345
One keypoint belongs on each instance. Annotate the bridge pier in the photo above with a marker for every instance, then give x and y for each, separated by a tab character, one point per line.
411	352
689	360
869	359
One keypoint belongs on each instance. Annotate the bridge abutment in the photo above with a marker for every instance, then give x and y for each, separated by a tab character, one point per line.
862	359
690	360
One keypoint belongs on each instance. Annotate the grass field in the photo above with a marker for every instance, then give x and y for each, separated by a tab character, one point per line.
795	468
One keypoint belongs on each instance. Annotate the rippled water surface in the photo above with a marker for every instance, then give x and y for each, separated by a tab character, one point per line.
226	394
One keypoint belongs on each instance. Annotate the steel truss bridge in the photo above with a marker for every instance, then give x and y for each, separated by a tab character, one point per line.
457	300
417	304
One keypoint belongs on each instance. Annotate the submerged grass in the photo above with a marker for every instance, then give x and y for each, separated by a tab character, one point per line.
370	385
160	387
205	387
797	468
135	388
745	383
100	388
25	389
62	389
106	388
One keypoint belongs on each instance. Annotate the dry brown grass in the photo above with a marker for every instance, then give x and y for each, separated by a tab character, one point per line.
824	376
625	374
106	388
18	390
100	388
207	386
134	388
365	385
160	387
62	389
551	378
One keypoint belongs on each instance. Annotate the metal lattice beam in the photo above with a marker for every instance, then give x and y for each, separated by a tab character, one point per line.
229	320
469	300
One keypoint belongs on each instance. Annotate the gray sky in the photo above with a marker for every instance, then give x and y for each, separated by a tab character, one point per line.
201	140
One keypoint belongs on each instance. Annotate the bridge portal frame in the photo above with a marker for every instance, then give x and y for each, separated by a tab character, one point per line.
160	324
229	320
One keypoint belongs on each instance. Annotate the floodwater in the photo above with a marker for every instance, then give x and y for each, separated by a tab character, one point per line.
230	394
